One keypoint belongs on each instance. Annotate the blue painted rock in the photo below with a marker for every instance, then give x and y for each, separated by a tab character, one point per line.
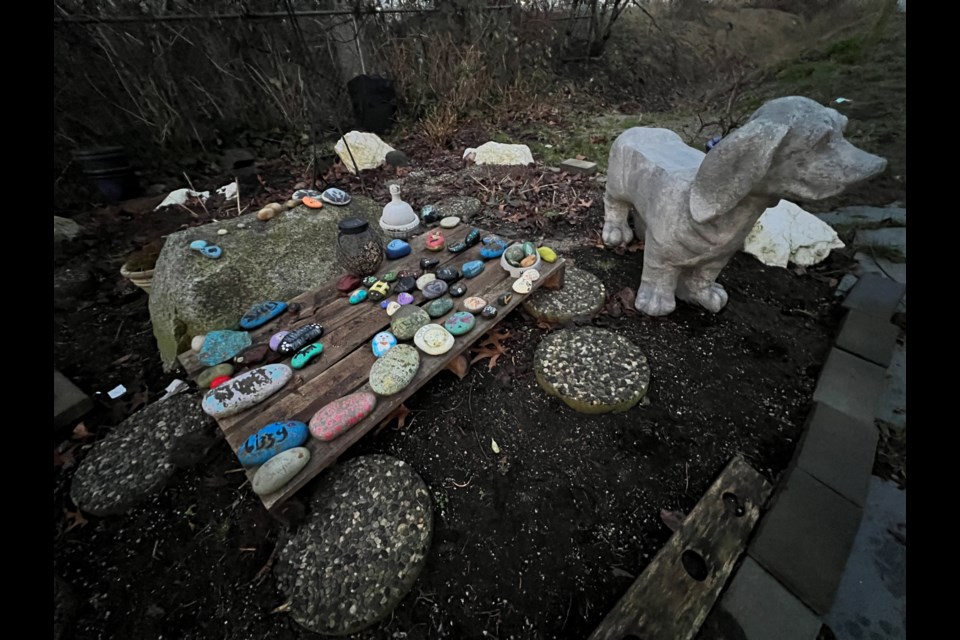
397	249
262	313
276	338
246	390
460	323
458	290
434	289
299	338
448	274
394	371
439	307
279	470
211	251
197	245
303	357
405	322
404	298
433	339
209	375
358	296
493	247
335	196
220	346
274	438
472	269
338	416
384	304
369	281
383	342
405	284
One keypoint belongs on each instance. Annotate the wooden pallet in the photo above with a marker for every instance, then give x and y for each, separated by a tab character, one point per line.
347	357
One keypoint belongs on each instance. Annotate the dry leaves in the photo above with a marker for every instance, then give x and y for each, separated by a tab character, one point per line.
80	432
399	414
74	518
673	519
491	346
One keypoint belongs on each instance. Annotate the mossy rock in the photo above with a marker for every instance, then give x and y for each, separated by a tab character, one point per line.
592	370
581	298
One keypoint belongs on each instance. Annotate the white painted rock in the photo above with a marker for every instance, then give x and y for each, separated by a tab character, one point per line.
197	343
500	153
433	339
279	470
246	390
786	233
368	150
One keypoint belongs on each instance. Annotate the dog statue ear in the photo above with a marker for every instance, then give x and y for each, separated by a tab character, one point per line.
732	168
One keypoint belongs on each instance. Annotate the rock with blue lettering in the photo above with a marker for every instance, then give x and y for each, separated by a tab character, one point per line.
279	470
472	269
246	390
272	439
262	313
220	346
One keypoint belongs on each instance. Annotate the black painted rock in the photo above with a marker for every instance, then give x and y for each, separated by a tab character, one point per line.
449	274
505	299
489	311
428	263
458	290
434	289
405	284
299	338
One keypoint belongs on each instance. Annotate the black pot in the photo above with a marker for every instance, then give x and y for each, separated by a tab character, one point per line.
109	169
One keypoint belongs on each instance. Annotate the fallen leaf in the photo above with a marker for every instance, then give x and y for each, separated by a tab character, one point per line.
580	157
80	432
673	519
491	346
399	414
75	518
494	446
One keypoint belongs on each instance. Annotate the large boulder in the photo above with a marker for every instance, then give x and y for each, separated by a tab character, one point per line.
366	149
274	260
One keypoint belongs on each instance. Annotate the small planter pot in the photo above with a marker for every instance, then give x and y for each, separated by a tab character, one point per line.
143	279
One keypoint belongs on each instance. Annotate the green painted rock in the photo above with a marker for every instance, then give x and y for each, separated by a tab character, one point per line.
460	323
580	299
592	370
439	307
407	320
391	373
208	375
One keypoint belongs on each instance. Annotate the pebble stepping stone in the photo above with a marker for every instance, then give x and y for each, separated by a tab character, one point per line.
395	370
361	548
580	299
592	370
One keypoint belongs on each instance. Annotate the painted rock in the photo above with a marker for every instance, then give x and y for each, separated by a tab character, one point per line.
522	285
493	247
384	304
220	346
514	255
394	371
528	261
474	304
383	342
460	322
504	299
406	322
450	222
547	254
254	355
435	241
428	215
489	311
262	313
299	338
276	338
211	251
439	307
348	283
472	269
279	470
472	238
393	306
448	274
338	416
358	296
246	390
390	276
397	249
433	339
303	357
274	438
209	375
458	290
379	291
313	203
428	263
424	279
410	273
219	380
530	275
404	299
528	249
406	283
369	281
196	245
335	196
197	343
434	289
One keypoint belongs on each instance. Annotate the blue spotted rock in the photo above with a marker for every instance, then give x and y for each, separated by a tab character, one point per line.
397	249
472	269
262	313
220	346
274	438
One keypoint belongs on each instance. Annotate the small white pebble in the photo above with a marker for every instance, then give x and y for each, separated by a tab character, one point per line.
197	343
241	226
222	232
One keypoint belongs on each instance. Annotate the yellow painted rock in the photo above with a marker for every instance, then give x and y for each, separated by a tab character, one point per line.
548	254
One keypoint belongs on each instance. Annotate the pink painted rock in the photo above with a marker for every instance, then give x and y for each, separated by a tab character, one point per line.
338	416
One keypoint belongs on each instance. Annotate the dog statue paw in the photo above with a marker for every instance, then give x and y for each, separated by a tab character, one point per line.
654	302
713	297
617	233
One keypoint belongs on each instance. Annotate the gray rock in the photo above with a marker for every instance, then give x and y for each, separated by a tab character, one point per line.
397	158
275	260
463	207
64	229
361	548
891	238
864	217
140	454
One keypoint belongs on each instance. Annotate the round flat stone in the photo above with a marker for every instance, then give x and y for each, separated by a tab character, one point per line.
279	470
489	311
592	370
426	278
450	222
392	307
360	549
522	286
434	289
404	298
439	307
581	298
474	304
460	323
433	339
395	370
407	320
531	275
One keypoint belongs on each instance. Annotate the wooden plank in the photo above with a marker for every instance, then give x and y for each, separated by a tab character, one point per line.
672	597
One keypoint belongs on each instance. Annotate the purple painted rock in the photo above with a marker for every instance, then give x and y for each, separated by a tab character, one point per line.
338	416
434	289
276	338
246	390
404	298
272	439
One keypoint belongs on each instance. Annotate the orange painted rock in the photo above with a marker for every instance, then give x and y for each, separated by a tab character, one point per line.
313	203
340	415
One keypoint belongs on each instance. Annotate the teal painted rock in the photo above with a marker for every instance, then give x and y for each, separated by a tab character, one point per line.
514	255
394	371
405	322
337	417
262	313
246	390
279	470
529	249
369	281
472	269
460	323
303	357
220	346
358	296
493	247
439	307
390	276
274	438
299	338
209	375
383	342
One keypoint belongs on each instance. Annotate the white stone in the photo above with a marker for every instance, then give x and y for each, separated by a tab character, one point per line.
522	285
393	307
500	153
279	470
228	191
197	343
786	233
433	339
450	222
368	150
222	232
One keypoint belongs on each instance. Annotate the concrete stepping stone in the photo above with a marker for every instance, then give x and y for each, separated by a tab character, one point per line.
891	238
851	385
360	549
875	295
581	298
870	337
592	370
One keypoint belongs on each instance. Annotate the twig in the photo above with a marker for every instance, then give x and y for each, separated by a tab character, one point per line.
686	472
182	206
154	554
192	188
236	181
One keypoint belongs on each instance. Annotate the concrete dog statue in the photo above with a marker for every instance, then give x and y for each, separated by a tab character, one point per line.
695	210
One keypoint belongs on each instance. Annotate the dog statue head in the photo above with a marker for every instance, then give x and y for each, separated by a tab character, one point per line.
790	148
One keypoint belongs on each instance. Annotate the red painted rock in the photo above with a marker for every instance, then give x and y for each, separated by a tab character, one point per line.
338	416
348	283
219	380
